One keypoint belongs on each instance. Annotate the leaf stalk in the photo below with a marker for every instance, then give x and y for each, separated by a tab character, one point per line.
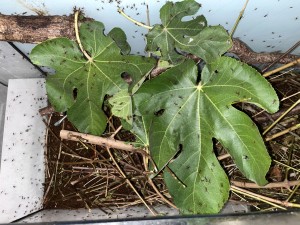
78	38
238	19
133	20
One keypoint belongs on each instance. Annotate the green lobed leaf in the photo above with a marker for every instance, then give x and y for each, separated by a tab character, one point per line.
91	80
118	35
193	36
169	35
187	115
209	44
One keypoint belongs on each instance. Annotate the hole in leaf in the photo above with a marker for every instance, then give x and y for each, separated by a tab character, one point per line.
75	93
126	77
216	71
180	147
159	112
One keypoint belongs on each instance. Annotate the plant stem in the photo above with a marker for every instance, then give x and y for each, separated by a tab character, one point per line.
238	19
78	39
286	112
134	21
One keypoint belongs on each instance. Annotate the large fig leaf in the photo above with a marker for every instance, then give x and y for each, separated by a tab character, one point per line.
186	115
193	36
90	80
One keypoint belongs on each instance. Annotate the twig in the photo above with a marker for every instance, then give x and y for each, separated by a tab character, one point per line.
58	158
286	112
282	67
134	21
106	142
283	99
271	201
148	15
74	182
57	138
293	192
256	196
290	167
286	184
47	171
129	182
76	156
116	132
282	56
266	117
78	39
290	96
165	165
84	200
160	194
295	127
155	188
221	157
239	18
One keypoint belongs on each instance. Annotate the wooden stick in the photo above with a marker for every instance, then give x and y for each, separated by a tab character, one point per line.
257	197
271	201
294	63
152	210
35	29
239	18
286	184
295	127
283	115
96	140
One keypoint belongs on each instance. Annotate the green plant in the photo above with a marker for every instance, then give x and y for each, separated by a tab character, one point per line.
177	114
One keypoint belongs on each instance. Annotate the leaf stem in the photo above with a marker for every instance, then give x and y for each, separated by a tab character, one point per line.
78	39
134	21
238	19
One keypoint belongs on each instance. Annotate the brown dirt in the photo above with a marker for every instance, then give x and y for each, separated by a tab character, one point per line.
81	175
